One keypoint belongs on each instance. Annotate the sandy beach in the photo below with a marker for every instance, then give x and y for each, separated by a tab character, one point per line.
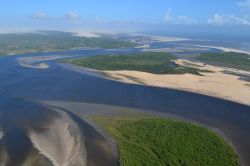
214	83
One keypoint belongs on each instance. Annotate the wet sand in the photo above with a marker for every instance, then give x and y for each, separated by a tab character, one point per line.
61	142
37	135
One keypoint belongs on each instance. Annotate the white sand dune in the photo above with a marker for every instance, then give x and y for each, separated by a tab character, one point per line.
61	142
85	34
157	38
215	83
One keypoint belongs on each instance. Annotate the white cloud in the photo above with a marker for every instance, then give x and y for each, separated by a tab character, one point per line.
229	20
245	4
40	16
216	19
186	20
171	19
168	16
72	16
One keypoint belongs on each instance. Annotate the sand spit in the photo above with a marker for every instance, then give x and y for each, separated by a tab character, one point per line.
214	83
225	49
38	62
61	142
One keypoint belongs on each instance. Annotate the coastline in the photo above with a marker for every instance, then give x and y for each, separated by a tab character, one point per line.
214	83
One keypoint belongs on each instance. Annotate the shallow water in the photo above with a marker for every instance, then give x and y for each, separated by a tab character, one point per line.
60	84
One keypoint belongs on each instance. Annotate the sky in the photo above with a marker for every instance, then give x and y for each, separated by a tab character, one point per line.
125	15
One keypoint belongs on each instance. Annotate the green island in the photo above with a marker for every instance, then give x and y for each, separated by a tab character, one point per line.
227	59
160	142
151	62
19	43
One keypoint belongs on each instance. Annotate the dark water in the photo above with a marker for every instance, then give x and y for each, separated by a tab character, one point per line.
60	84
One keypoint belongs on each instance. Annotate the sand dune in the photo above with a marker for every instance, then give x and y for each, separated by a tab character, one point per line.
85	34
157	38
61	143
214	83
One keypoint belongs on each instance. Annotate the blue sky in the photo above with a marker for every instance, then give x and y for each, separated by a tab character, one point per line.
122	14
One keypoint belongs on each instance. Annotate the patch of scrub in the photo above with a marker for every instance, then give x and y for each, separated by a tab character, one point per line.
153	141
234	60
151	62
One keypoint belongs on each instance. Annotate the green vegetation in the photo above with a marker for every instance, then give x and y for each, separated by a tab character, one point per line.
157	63
161	142
229	59
18	43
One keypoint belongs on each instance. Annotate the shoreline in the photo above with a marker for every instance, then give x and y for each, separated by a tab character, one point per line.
215	83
